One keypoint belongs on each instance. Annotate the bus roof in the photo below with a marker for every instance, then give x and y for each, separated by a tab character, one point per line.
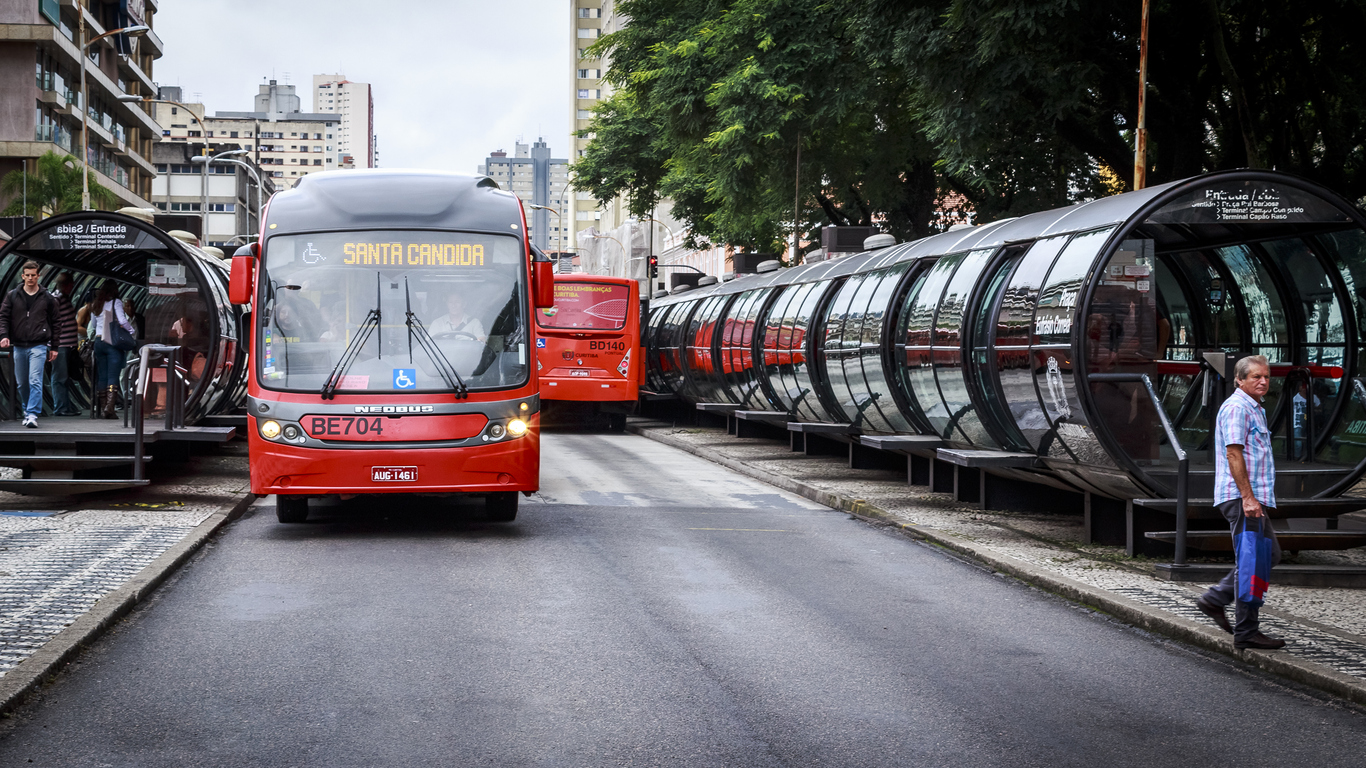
393	199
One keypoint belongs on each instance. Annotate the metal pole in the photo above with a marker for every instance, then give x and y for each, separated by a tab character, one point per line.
204	188
797	194
85	119
1141	135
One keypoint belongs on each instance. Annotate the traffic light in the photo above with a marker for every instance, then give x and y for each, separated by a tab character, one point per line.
654	267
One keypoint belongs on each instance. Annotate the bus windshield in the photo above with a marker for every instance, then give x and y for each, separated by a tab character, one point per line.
349	311
586	306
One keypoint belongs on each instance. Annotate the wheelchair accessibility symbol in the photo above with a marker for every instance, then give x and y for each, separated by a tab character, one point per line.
405	378
540	343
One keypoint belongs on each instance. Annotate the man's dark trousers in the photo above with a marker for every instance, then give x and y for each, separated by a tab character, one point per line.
1245	622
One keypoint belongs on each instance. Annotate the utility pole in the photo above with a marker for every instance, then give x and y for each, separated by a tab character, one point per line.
1141	135
796	198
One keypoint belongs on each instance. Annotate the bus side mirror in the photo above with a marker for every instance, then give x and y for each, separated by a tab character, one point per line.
543	283
240	279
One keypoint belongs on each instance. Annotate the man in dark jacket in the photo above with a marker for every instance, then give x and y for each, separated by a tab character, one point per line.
28	325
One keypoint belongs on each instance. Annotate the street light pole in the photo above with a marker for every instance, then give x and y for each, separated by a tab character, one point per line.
136	30
204	181
225	157
559	221
1141	135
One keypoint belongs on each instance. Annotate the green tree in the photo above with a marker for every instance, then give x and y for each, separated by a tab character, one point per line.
712	101
55	188
1032	104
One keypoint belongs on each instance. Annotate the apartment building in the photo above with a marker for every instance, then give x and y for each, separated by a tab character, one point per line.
41	108
536	177
222	197
353	104
286	143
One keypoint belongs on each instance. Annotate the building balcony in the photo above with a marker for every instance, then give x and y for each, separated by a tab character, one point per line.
131	70
152	41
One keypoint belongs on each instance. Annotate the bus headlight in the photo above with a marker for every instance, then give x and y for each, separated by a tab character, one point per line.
270	429
291	432
516	427
496	431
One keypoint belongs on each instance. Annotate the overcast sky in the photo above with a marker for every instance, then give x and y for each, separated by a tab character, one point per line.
452	79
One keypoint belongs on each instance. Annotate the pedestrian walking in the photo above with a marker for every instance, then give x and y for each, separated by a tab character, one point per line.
106	311
1244	493
66	346
28	324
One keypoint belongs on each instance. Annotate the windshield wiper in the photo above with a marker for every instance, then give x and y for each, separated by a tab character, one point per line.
352	351
428	344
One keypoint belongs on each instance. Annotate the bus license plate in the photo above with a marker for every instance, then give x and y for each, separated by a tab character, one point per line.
578	372
393	474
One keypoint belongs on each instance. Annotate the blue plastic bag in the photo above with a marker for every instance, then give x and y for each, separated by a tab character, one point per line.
1252	550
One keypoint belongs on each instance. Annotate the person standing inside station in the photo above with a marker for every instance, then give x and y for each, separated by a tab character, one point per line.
106	310
1244	493
66	346
28	325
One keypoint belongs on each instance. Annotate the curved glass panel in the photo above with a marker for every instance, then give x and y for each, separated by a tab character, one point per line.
1318	310
948	355
675	328
836	350
918	322
806	404
1014	333
907	355
1053	375
1347	443
883	415
778	343
737	356
980	373
699	364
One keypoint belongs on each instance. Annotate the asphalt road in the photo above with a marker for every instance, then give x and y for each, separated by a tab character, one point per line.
653	609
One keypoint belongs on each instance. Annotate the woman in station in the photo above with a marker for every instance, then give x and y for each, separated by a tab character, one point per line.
106	310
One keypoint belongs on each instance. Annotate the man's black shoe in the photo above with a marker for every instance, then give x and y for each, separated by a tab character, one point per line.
1216	613
1260	641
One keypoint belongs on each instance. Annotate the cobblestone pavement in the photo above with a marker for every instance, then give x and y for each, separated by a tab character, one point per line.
1324	625
60	555
54	568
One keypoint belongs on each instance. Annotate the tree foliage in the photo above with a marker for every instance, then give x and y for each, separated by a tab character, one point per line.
54	188
1018	106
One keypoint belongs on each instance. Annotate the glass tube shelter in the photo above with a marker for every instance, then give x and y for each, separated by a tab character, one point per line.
178	294
988	337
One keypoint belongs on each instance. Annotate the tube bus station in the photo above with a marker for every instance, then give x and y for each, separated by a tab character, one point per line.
190	373
1084	349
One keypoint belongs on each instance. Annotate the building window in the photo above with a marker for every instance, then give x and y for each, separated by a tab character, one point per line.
293	135
318	162
233	134
185	207
222	207
585	114
588	34
194	134
590	13
590	74
317	137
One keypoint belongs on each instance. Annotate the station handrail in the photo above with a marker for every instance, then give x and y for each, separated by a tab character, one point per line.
1183	461
175	398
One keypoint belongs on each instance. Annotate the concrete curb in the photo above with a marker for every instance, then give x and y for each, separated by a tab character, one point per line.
17	684
1129	611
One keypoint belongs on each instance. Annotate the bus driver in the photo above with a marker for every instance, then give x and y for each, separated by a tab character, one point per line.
456	322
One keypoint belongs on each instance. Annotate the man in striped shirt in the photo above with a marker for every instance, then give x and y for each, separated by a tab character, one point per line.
1244	492
66	346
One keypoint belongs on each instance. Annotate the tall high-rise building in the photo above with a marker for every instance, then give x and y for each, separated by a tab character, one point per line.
536	177
354	106
40	101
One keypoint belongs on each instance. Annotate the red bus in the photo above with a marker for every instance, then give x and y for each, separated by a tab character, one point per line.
391	340
588	345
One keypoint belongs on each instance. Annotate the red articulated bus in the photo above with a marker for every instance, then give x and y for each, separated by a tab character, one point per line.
588	345
391	340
